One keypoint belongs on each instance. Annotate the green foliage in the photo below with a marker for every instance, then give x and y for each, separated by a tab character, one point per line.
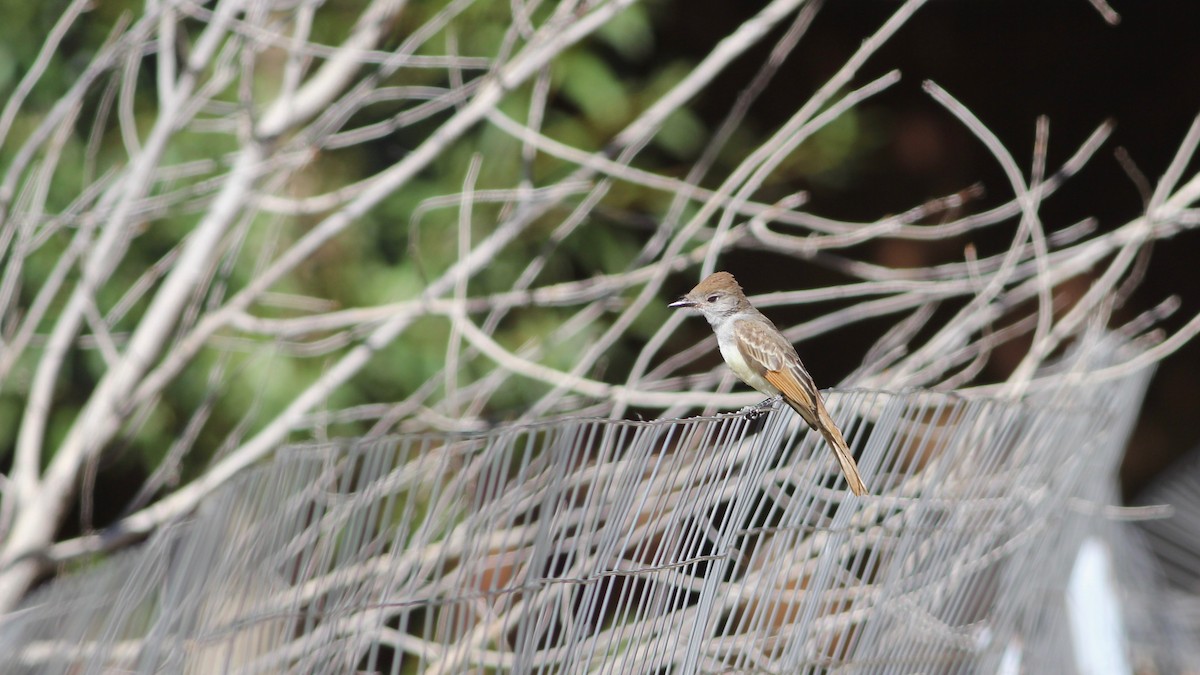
682	134
588	83
827	157
390	253
10	416
630	34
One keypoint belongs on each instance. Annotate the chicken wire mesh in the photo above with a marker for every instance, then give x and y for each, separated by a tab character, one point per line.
706	545
1174	546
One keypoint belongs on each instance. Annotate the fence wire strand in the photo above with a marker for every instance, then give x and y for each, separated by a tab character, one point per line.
705	545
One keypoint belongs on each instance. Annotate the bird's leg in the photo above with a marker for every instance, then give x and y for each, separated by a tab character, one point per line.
759	409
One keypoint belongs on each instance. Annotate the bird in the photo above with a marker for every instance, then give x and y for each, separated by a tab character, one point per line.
763	358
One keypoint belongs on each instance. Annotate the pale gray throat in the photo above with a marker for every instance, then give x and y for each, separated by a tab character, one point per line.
717	319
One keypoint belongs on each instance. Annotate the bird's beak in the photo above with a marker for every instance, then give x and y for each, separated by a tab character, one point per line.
682	302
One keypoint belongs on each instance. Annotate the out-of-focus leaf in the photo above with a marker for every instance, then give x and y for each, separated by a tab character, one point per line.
629	34
8	69
682	134
824	158
588	82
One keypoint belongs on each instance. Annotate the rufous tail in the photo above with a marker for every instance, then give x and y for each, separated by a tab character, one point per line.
841	451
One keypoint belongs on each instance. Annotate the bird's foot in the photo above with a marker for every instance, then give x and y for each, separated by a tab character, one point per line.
753	412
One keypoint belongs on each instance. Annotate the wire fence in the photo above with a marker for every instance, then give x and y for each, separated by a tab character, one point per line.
166	221
706	545
1172	590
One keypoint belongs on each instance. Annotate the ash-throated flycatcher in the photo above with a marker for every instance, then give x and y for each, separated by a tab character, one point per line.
758	353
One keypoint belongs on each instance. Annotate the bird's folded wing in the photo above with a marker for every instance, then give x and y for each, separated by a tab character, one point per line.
766	350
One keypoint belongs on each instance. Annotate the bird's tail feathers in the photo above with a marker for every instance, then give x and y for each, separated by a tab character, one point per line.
841	450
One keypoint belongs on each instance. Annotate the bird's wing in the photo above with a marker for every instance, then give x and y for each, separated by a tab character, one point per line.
765	349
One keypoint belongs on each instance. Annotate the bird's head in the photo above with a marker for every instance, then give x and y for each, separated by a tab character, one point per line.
717	297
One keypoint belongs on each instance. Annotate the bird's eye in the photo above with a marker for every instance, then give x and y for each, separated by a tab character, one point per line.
714	297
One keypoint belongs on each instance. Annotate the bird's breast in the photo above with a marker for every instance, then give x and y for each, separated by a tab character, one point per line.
737	363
